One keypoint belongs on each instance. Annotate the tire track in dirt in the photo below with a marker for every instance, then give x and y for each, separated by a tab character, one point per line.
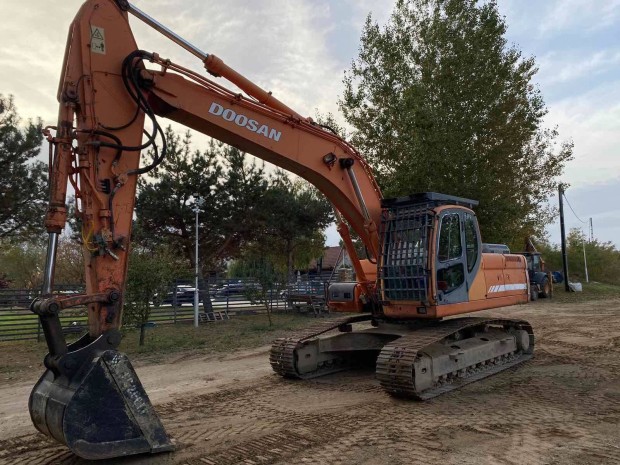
561	407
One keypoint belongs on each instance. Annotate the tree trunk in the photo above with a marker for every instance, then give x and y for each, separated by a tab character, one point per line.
289	252
142	333
146	315
203	291
266	302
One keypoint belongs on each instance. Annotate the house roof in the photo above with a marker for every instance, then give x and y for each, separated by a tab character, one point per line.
331	257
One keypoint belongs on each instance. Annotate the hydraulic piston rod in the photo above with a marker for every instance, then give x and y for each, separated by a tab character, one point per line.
50	263
141	15
214	64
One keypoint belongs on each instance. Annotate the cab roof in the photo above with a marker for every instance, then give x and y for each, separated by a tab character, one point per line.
428	199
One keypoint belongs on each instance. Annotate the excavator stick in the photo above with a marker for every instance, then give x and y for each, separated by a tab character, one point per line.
91	399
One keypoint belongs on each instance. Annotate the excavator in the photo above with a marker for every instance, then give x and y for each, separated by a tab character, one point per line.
423	265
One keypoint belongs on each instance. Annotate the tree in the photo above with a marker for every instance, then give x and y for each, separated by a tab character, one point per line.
150	274
23	179
294	215
268	276
69	262
439	102
603	258
23	264
230	186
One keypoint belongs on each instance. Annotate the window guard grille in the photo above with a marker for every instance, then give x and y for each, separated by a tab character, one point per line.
404	268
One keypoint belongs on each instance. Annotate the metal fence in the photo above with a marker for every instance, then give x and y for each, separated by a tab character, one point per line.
219	298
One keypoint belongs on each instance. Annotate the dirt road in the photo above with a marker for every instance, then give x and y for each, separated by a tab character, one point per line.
563	407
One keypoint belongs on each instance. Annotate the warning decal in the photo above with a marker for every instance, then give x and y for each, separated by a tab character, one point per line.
97	39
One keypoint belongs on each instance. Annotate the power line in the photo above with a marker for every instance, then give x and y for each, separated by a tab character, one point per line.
571	209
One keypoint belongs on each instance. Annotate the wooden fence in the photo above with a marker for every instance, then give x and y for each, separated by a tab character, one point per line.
227	297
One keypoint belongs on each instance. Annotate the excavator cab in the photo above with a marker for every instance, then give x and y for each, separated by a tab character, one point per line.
430	250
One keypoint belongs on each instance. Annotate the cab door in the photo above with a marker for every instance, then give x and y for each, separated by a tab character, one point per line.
451	260
459	255
473	247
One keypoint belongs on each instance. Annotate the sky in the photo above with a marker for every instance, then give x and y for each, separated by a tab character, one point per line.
299	49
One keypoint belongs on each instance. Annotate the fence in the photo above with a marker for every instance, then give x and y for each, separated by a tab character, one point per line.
229	297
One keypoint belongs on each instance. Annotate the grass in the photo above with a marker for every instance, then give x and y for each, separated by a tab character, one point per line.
240	332
19	359
591	291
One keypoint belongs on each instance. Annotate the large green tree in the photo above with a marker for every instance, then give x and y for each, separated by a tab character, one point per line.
439	102
23	179
294	215
230	187
22	264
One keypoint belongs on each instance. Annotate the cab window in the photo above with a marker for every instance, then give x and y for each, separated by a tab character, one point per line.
471	241
450	238
450	278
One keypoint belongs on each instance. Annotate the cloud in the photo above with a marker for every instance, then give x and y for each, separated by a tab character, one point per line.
32	46
299	48
568	65
590	15
592	119
598	201
279	45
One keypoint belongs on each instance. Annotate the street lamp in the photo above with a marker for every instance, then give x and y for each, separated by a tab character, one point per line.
198	203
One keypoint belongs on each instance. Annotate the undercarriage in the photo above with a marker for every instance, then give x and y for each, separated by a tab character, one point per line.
419	360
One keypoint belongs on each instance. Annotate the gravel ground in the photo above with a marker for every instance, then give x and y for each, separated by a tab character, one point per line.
562	407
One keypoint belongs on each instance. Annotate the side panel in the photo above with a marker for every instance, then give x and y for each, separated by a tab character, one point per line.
478	289
515	279
493	269
505	279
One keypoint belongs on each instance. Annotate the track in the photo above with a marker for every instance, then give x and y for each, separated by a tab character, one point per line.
396	362
562	407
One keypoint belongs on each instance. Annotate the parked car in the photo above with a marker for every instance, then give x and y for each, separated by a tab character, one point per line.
185	295
237	289
303	288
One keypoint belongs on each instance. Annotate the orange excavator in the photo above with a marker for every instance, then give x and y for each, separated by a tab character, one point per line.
424	259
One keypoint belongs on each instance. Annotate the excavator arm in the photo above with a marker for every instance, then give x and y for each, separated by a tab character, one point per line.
285	140
108	89
106	92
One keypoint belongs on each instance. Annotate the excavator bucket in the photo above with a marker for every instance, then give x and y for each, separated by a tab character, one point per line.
97	407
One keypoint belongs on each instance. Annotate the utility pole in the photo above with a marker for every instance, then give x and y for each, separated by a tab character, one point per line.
585	260
591	231
198	202
563	234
